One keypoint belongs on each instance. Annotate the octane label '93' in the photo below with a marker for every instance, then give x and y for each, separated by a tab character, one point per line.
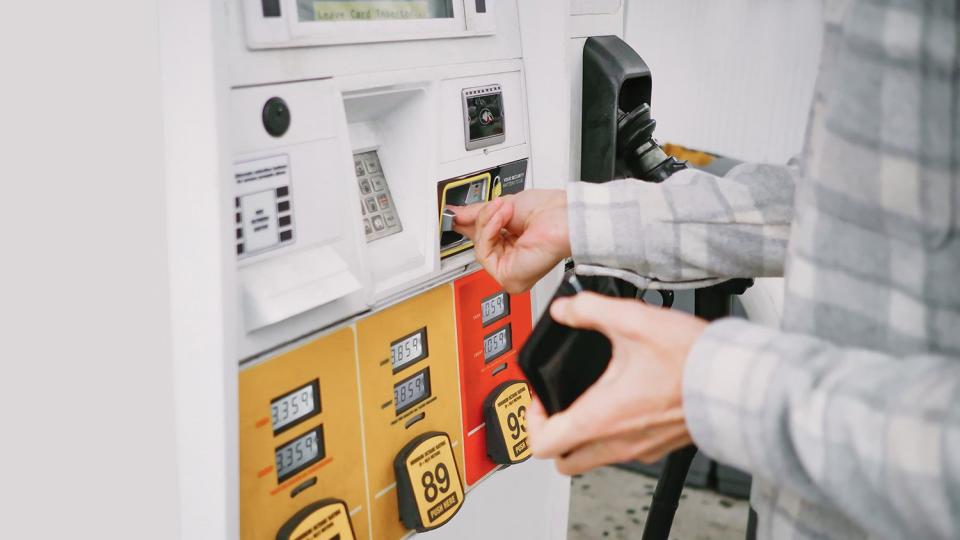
505	413
430	491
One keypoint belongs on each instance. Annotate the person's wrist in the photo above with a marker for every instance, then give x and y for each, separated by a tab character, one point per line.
696	366
564	248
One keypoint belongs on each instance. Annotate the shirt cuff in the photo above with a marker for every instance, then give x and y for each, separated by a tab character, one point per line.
626	224
591	232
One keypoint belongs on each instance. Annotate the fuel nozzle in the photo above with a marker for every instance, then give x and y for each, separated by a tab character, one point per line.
638	153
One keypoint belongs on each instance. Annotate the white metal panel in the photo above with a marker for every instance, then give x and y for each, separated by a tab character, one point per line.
202	277
324	196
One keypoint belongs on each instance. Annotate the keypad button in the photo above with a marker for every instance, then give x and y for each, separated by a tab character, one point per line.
358	167
372	166
379	183
384	201
367	227
365	187
391	219
378	223
371	204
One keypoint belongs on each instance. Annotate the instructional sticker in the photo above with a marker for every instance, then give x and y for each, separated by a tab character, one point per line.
263	205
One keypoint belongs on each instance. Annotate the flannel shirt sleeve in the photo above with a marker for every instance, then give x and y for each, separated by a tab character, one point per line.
856	429
694	226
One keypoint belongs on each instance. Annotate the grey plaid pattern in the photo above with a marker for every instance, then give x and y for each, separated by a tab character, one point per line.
849	416
690	229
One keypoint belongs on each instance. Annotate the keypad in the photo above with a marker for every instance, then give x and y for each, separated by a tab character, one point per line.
380	218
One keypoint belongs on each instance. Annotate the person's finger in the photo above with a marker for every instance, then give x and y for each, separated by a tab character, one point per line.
585	420
593	311
595	415
656	449
517	223
646	446
465	218
488	244
536	415
594	454
484	213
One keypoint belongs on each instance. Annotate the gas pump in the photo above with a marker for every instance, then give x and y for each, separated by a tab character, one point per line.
379	392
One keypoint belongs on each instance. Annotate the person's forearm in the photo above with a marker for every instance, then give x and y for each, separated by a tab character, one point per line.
692	227
874	435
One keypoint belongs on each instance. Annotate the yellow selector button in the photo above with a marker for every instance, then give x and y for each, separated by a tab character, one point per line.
429	489
328	519
505	415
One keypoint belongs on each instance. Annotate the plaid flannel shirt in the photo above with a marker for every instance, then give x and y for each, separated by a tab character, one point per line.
849	415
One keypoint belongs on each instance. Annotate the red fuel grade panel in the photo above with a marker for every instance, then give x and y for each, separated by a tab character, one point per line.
491	327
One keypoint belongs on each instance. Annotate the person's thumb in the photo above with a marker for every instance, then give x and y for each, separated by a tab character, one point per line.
592	311
465	218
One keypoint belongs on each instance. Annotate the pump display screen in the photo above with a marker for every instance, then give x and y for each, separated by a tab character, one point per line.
373	10
408	349
495	308
292	408
411	390
299	453
497	343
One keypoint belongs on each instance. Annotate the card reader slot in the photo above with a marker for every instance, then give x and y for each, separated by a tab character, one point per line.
450	239
461	192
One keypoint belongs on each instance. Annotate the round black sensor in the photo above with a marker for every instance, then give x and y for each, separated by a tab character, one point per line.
276	116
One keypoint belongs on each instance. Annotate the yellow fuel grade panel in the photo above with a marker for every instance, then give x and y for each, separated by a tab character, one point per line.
409	374
301	441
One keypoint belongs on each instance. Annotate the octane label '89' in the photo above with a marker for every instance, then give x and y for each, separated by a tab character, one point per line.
429	488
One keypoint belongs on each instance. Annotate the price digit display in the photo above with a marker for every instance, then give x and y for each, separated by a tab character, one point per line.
497	344
494	308
294	407
411	390
299	453
408	350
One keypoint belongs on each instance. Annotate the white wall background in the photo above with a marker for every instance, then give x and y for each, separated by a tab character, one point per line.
86	383
734	77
